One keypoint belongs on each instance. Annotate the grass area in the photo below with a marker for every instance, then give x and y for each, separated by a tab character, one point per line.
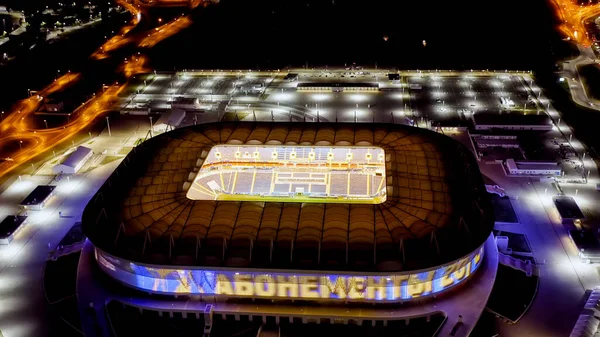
517	242
125	150
74	235
300	198
503	210
486	326
231	116
590	75
513	293
110	159
60	277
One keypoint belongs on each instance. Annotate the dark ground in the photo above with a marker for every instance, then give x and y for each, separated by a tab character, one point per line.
591	77
513	293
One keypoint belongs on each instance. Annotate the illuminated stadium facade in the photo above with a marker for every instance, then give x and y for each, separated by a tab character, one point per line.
227	211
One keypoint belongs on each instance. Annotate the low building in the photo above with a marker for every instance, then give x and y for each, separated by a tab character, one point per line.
10	226
169	121
532	168
568	209
291	77
38	198
337	87
74	162
185	103
510	143
512	121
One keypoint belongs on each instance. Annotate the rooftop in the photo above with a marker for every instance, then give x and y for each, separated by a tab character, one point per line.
76	156
38	195
10	224
510	118
338	85
436	209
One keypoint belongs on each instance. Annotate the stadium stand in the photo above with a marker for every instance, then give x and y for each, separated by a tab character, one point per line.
262	182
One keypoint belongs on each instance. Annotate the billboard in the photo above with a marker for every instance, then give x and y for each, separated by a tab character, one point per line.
226	282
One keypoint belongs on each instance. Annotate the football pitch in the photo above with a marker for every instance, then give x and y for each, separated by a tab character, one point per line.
292	174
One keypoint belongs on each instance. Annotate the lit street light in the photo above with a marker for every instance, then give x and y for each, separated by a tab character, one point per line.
45	122
108	125
20	145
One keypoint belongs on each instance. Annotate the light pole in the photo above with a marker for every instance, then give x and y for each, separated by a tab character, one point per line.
108	125
151	127
46	122
20	145
2	115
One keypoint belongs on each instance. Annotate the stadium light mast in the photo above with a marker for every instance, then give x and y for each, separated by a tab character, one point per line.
108	125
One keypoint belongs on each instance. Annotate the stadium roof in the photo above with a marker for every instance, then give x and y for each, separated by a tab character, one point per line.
436	211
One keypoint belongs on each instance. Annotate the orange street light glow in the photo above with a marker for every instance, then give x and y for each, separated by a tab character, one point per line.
574	17
18	126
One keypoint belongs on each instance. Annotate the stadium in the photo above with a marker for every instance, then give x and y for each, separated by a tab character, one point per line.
224	226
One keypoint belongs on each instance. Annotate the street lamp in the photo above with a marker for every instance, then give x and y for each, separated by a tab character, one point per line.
108	125
20	145
45	122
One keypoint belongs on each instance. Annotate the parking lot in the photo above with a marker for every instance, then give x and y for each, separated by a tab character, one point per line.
453	100
421	99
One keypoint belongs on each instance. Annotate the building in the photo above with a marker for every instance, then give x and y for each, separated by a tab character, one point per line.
568	209
291	77
508	142
237	260
532	168
10	226
512	121
169	120
337	87
74	162
185	103
394	77
37	199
